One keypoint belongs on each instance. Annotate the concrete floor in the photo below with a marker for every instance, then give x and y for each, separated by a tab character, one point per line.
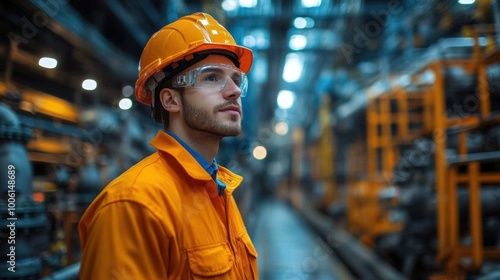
289	249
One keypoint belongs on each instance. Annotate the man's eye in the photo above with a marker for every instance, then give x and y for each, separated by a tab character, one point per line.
212	78
237	80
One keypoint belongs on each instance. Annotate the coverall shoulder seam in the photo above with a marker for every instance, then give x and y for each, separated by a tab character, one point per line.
144	205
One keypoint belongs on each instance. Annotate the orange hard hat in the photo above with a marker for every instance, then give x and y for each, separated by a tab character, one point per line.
198	32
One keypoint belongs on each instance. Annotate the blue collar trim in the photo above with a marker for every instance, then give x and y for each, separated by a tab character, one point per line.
211	169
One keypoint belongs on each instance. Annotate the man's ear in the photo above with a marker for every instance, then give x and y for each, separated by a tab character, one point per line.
169	99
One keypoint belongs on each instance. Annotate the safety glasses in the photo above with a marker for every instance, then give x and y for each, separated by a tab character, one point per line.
212	77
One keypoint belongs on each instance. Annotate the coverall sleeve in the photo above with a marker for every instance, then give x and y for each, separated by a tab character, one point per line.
124	240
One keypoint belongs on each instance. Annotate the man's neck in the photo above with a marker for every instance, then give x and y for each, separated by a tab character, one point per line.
205	144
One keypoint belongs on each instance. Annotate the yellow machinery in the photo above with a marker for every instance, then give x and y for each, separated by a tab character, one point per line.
322	154
451	250
45	147
404	113
55	150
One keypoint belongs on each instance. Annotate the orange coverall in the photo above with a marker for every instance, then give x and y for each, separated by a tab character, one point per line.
163	219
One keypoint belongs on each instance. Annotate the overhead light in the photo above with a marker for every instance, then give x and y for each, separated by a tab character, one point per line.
248	3
297	42
127	91
281	128
48	62
125	103
303	22
285	99
311	3
259	152
299	23
89	84
258	38
293	68
466	2
229	5
249	41
428	77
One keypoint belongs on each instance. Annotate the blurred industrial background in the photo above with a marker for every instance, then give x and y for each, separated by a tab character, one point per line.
371	144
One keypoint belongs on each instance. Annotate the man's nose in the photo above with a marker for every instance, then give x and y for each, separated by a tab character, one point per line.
230	88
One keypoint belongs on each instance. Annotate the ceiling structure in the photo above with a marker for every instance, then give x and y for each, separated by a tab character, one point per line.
351	43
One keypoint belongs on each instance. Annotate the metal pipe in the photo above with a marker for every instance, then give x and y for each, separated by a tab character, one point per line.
12	46
496	18
24	221
481	157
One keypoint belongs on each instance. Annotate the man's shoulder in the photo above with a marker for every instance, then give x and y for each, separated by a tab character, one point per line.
145	183
152	171
151	163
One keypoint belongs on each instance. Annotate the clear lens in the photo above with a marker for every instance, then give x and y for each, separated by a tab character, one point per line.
213	77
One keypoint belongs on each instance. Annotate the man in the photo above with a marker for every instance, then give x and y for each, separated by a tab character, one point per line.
172	215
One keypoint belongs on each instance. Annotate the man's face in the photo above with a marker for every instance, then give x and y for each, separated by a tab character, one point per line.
213	110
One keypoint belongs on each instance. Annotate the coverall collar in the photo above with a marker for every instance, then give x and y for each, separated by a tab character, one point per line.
169	145
210	168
